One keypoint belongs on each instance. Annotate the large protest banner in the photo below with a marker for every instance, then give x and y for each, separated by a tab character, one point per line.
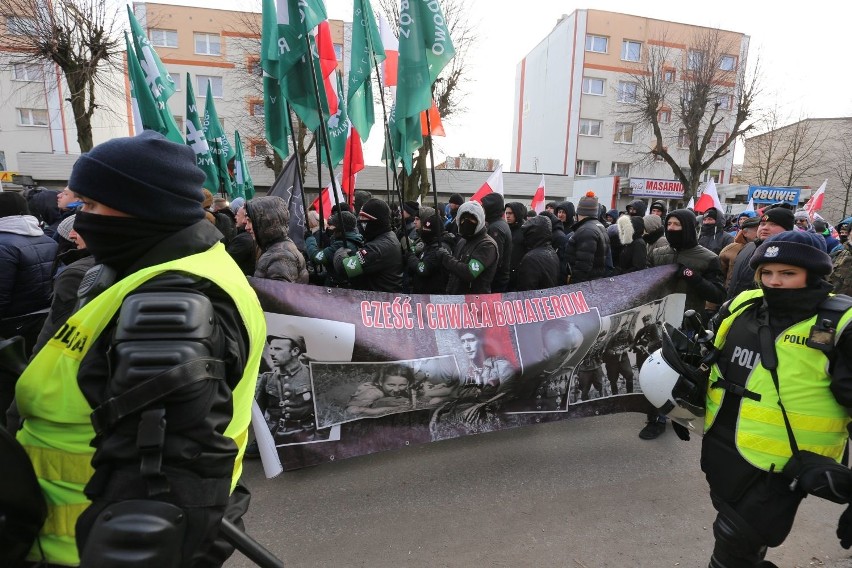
349	372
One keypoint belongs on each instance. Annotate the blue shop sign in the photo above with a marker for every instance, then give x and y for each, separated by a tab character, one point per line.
768	194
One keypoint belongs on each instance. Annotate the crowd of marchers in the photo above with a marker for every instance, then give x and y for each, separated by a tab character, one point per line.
462	247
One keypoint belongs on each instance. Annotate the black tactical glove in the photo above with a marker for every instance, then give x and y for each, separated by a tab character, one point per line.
681	431
844	528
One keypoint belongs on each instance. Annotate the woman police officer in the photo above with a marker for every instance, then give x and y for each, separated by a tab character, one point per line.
746	442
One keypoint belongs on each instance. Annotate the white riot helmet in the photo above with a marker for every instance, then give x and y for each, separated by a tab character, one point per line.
675	387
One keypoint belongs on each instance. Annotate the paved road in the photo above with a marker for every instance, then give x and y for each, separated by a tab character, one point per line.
580	493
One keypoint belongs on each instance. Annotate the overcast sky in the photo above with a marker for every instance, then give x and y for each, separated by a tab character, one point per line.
802	49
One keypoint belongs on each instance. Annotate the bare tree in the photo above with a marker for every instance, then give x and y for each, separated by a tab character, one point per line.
696	91
843	167
448	91
79	37
783	155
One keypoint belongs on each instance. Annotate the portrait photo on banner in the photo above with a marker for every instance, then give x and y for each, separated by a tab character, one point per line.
611	365
284	390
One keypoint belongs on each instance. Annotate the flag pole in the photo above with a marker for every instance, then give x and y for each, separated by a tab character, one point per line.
298	162
388	140
323	135
432	163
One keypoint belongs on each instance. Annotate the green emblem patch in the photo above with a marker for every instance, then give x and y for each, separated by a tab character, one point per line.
475	267
421	267
352	266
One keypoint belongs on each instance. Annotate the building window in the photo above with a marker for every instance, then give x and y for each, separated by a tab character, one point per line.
255	107
593	86
683	138
215	85
258	148
627	92
715	175
176	80
620	169
163	38
669	75
32	117
253	66
623	133
694	59
27	72
179	122
586	168
597	44
726	102
664	116
631	50
717	140
727	63
338	51
590	127
16	25
208	44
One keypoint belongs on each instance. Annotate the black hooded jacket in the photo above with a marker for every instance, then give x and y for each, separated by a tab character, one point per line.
640	207
518	248
587	250
704	282
634	254
499	230
713	237
539	267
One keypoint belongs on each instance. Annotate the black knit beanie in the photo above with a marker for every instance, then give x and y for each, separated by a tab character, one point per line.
411	207
456	199
780	216
797	248
146	176
12	203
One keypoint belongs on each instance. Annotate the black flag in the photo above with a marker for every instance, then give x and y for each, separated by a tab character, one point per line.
288	186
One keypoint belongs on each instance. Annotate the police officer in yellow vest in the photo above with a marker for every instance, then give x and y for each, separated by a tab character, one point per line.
136	413
746	443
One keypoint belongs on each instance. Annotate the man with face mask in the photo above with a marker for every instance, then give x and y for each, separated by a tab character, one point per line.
136	413
424	265
713	236
474	261
377	265
701	279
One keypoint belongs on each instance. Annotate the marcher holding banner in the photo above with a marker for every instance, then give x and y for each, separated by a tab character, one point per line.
780	388
701	276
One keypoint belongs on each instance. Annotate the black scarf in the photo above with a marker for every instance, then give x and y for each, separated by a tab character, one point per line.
791	305
120	242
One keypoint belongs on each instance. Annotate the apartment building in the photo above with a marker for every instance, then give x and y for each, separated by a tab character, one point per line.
38	136
574	90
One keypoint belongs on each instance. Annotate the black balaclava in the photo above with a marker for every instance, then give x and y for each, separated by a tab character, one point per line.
374	219
686	237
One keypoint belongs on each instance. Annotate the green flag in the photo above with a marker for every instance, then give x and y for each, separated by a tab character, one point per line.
425	48
244	185
295	18
298	89
146	115
338	126
366	52
195	139
394	140
275	113
161	84
220	149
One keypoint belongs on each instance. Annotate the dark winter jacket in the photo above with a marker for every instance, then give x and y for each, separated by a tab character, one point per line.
704	281
559	242
570	212
64	297
713	237
473	264
26	263
518	249
654	233
325	257
243	250
381	264
539	267
425	270
634	256
742	275
280	259
499	230
587	250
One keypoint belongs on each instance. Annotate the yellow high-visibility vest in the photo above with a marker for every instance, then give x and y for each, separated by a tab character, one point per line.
818	420
57	427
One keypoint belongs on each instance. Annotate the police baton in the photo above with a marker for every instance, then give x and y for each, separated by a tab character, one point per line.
252	549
